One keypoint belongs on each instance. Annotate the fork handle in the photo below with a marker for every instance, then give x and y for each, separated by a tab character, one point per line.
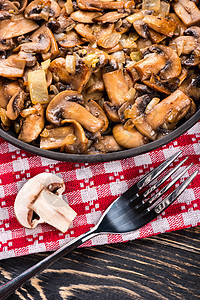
9	288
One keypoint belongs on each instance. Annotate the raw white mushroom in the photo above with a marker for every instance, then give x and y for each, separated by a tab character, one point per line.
40	201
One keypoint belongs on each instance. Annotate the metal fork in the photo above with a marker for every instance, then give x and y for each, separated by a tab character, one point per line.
128	212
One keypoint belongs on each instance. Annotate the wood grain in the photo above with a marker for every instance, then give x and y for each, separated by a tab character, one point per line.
166	266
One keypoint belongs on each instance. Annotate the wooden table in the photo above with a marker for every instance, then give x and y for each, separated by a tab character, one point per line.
166	266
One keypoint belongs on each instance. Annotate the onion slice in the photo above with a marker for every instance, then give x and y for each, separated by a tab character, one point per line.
38	87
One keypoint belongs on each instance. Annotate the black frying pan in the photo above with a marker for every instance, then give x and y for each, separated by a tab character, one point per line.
11	137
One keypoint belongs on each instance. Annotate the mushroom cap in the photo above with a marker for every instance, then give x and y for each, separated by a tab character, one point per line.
28	193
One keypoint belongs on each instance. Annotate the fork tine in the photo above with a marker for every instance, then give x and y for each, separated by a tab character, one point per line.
160	207
157	171
144	204
132	192
162	180
167	187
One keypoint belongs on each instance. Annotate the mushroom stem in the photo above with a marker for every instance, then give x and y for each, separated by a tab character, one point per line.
116	86
53	210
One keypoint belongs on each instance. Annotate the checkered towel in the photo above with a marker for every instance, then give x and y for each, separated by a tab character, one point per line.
90	188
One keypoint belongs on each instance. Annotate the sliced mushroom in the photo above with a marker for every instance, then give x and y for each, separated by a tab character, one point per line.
95	84
136	20
75	142
160	24
137	115
86	32
159	59
52	138
7	90
116	86
128	138
21	5
12	67
85	16
187	11
5	121
132	71
39	201
143	43
191	86
98	112
111	111
70	39
125	106
45	31
180	26
188	46
7	9
61	24
183	44
166	87
65	106
98	5
169	111
32	125
17	26
7	44
41	9
150	64
141	28
110	17
75	81
29	57
107	36
8	5
106	144
40	45
190	60
15	105
156	37
193	31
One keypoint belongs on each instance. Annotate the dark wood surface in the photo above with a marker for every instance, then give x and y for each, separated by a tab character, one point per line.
166	266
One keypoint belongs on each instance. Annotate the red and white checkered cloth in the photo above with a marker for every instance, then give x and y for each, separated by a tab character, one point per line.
90	188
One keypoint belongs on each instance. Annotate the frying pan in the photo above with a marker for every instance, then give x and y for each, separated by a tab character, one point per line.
11	137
